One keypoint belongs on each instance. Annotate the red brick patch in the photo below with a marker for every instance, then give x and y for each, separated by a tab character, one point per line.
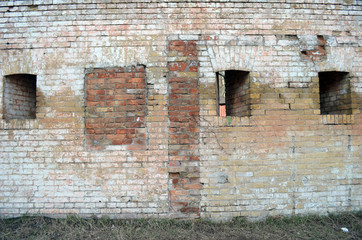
116	107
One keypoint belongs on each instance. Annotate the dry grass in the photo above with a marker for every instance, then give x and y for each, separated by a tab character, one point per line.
72	227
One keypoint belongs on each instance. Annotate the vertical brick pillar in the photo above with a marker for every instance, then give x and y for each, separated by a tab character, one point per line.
183	111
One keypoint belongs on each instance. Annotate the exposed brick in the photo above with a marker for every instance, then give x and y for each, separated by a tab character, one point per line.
318	53
131	141
122	128
177	66
183	111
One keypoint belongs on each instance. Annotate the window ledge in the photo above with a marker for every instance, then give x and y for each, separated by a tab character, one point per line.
337	119
18	124
231	121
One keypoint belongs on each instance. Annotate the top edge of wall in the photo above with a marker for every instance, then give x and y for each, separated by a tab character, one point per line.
48	2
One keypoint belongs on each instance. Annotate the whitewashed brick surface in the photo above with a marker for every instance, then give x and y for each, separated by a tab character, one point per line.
284	159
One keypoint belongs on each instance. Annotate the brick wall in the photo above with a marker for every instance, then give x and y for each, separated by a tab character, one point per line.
183	112
286	152
161	149
116	107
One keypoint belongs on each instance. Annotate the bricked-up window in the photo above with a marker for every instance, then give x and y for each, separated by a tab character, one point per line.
19	99
116	107
335	93
233	93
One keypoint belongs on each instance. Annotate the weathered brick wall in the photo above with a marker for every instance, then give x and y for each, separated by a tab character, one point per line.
183	112
116	107
286	152
284	157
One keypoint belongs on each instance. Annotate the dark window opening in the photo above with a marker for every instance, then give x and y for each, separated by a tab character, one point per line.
19	98
233	93
335	93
